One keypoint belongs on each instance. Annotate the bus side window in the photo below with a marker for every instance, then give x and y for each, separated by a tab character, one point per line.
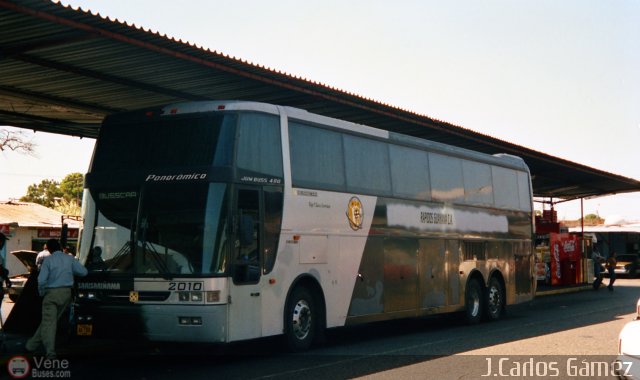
247	263
273	202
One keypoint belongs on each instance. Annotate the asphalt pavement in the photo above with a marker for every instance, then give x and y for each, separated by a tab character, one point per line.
394	347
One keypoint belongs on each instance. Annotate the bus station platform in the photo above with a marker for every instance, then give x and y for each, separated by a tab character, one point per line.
548	290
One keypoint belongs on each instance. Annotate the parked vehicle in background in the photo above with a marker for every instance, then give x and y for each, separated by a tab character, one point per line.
628	264
28	259
628	361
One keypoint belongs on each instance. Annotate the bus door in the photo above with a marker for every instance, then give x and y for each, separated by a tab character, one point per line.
400	277
453	271
245	309
433	276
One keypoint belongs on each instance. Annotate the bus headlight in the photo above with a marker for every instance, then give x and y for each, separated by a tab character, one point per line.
87	295
196	296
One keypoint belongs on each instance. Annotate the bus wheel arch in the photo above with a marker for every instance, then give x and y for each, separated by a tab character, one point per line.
304	314
474	298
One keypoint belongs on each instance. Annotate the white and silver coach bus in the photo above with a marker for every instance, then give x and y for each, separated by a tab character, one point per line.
227	221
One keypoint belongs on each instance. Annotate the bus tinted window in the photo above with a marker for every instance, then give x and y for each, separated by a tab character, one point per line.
524	192
478	188
409	173
273	201
259	144
165	142
505	182
446	178
316	157
367	164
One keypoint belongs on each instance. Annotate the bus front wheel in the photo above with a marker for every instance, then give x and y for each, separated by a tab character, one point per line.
301	318
474	301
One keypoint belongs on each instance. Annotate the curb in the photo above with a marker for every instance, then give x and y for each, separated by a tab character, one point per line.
574	289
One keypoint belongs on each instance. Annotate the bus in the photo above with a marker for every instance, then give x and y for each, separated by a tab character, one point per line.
233	220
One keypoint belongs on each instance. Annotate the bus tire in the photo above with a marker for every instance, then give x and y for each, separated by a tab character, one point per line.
301	320
495	300
474	301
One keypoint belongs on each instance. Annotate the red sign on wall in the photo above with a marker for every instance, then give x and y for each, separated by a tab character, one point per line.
54	233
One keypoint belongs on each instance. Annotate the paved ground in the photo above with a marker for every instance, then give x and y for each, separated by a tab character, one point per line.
554	327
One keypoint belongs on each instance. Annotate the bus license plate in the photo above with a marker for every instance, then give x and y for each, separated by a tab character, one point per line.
84	330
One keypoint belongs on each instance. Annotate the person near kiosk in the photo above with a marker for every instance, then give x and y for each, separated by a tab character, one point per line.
611	267
598	259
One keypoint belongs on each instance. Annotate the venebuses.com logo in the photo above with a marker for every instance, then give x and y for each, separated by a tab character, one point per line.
19	367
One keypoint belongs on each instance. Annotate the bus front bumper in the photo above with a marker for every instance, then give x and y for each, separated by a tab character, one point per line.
169	323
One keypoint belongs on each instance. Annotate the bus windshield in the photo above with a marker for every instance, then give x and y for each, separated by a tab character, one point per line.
168	230
152	207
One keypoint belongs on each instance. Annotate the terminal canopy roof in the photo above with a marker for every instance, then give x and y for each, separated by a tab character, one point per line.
62	70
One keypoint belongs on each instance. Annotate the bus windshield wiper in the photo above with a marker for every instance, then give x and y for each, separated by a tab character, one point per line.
157	259
117	258
159	263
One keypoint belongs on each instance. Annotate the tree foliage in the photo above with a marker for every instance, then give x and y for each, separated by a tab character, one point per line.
72	186
44	193
66	194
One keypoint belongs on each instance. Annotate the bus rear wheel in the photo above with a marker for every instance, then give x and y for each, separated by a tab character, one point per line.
300	320
495	300
474	301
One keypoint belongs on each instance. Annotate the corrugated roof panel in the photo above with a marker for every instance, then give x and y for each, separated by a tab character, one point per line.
64	69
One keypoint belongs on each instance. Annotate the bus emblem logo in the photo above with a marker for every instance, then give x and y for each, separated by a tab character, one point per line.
134	296
355	213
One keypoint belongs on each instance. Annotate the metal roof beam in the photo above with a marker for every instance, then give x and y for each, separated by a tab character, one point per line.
53	100
13	50
106	77
32	117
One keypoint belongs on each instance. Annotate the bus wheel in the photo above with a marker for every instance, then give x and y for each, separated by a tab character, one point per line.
300	320
474	301
495	300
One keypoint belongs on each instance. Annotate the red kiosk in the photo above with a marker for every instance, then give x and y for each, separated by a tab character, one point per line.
565	259
560	251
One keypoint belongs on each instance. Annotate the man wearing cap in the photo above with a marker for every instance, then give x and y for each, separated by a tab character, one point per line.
54	283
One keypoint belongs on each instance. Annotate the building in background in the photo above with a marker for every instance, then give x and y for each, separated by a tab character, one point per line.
29	225
616	234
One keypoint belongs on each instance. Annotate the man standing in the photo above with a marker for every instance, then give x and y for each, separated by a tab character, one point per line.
41	256
611	267
54	283
598	259
4	273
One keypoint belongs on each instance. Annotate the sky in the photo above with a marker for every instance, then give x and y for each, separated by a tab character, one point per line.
557	77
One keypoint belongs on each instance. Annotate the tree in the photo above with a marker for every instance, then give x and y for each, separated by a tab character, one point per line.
72	186
65	195
44	193
593	219
16	141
